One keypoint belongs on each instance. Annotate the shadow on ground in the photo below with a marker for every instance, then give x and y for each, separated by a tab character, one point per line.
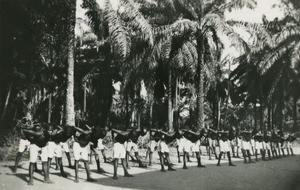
278	174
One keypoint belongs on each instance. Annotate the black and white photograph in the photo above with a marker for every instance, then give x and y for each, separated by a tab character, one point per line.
150	94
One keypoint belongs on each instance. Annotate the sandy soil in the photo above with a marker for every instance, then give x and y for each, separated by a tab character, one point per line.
277	174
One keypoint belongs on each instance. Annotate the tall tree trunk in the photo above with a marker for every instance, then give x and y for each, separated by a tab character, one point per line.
170	107
254	115
70	108
127	110
49	108
218	113
261	114
199	83
6	103
295	107
281	105
269	117
84	97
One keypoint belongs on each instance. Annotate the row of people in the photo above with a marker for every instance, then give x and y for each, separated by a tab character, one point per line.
52	140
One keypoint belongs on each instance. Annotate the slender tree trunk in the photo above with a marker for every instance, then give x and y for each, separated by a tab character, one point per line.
254	115
127	110
218	113
6	103
281	105
49	108
261	114
170	107
70	110
295	125
84	97
151	114
199	89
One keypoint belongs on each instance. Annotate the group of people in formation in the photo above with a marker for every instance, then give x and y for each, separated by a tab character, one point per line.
47	141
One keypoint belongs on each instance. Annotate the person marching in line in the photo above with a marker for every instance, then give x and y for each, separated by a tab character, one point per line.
59	135
24	143
266	144
131	144
163	149
274	144
119	151
232	135
290	140
153	144
97	145
81	144
258	145
193	143
224	147
246	146
212	141
38	138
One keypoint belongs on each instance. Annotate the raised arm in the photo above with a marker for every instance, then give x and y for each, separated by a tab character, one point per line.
82	131
32	132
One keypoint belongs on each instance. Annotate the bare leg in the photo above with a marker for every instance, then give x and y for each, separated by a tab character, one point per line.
116	160
150	158
31	166
256	159
162	162
169	162
69	159
19	154
62	172
104	155
184	160
46	172
199	160
219	159
76	171
249	156
126	174
88	171
229	159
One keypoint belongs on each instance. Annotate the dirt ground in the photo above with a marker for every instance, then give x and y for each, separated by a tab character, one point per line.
278	174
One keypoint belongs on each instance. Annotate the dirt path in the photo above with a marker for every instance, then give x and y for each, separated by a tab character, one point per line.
279	174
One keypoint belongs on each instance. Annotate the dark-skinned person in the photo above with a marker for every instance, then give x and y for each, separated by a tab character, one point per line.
38	137
119	151
131	144
163	149
246	146
81	145
224	145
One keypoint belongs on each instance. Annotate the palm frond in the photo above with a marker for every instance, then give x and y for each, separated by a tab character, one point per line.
295	56
259	35
218	23
137	22
270	58
287	33
118	34
237	4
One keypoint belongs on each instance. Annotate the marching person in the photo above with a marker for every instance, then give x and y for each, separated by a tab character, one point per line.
193	143
131	144
82	140
38	138
163	149
246	146
24	143
266	144
224	147
119	151
258	145
153	144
